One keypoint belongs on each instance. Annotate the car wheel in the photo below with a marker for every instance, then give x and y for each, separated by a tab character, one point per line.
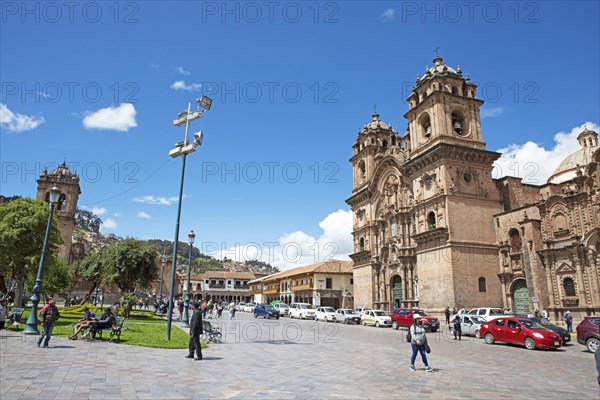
276	317
530	343
301	316
255	315
433	330
377	324
477	334
291	316
489	338
364	323
346	321
592	344
394	325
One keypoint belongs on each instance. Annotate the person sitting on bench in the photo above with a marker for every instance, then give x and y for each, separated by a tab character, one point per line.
106	321
88	319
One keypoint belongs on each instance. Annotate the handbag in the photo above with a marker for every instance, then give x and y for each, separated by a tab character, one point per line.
408	338
427	348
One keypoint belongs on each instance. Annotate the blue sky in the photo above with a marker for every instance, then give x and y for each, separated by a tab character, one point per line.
292	83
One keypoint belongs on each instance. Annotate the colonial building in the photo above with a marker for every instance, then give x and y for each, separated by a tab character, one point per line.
218	285
65	209
431	226
328	283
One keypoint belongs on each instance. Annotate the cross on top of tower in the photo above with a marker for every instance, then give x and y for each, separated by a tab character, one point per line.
437	48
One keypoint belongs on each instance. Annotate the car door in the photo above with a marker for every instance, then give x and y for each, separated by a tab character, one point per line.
512	331
466	326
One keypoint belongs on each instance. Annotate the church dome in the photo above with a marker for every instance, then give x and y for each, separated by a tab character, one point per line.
570	166
62	170
439	67
376	124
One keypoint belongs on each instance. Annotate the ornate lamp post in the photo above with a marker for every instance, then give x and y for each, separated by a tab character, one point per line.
183	149
186	304
32	322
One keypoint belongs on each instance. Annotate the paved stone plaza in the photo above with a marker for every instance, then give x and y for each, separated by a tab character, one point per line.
289	359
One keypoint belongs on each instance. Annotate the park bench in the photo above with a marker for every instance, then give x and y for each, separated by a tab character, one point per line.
211	333
16	315
115	330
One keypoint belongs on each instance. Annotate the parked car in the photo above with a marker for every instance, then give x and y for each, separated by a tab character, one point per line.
559	330
346	316
521	331
240	306
249	307
375	317
325	314
404	317
470	325
588	333
283	309
360	310
265	310
487	313
302	310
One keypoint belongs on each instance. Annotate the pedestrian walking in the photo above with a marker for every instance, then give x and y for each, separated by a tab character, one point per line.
232	310
447	313
457	328
180	308
49	315
3	311
569	321
195	332
418	342
453	310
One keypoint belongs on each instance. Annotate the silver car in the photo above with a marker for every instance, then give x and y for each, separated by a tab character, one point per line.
283	309
347	316
469	324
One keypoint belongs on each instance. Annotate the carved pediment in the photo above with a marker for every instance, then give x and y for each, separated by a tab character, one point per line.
565	268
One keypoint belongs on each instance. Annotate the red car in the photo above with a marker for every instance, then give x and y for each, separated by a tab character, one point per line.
521	331
588	333
404	317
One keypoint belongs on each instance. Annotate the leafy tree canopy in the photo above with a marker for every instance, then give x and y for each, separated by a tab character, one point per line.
87	220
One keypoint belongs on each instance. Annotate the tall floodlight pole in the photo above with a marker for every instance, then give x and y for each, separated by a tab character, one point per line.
183	149
31	327
185	321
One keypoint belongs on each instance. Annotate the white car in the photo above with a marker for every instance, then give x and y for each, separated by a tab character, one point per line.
347	316
325	314
302	310
249	307
375	317
469	324
360	311
487	313
283	309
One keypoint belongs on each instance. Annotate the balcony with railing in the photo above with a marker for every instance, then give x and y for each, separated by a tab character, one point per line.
271	291
298	288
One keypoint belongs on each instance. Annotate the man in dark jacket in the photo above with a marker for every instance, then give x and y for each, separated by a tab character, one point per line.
106	321
195	332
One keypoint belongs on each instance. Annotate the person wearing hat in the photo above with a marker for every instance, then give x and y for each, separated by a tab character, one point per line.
569	321
3	311
418	341
49	315
107	320
88	319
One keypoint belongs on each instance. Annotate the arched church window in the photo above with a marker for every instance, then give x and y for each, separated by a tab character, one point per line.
569	286
458	123
482	286
362	244
394	228
384	143
560	222
62	202
425	123
431	221
515	240
454	90
362	169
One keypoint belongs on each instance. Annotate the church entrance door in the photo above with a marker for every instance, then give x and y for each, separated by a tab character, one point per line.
397	291
521	297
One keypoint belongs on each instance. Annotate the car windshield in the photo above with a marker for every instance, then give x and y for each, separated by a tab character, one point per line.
305	306
328	309
478	320
379	313
346	311
421	313
529	324
269	308
283	306
496	311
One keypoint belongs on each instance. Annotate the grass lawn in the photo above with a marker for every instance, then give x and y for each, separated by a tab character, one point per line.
143	328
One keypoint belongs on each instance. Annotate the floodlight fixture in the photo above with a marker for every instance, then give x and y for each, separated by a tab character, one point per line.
204	102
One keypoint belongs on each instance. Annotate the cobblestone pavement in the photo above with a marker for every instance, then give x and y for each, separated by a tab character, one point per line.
292	359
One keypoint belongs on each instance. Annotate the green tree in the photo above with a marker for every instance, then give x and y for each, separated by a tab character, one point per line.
57	279
87	220
22	229
130	264
91	269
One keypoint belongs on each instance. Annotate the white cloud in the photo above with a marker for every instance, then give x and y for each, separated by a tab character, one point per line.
99	210
155	200
143	215
182	71
109	224
15	122
533	162
117	214
388	15
298	248
120	118
180	85
492	112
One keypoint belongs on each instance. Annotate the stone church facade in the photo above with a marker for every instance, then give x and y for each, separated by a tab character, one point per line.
432	228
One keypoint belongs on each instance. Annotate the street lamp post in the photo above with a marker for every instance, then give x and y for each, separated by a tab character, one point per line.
31	327
186	304
183	149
